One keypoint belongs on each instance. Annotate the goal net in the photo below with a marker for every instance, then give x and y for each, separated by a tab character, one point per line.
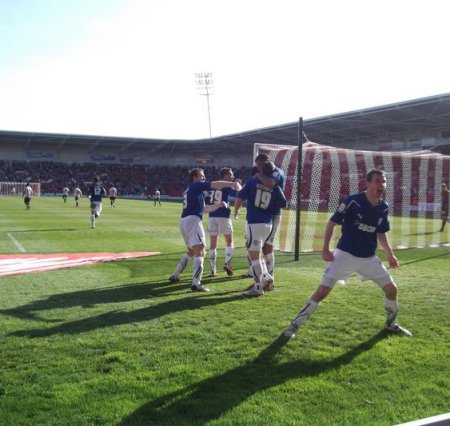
329	174
17	188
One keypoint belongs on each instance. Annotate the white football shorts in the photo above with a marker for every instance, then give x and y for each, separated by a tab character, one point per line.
276	219
97	207
256	235
345	264
191	228
220	226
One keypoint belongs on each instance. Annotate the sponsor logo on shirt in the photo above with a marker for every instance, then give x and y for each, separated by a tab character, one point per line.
367	228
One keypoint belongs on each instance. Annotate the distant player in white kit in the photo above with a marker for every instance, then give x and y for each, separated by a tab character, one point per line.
27	194
96	193
112	196
157	197
65	193
77	195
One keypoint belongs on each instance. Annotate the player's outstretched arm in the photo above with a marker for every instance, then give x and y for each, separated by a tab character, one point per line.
220	184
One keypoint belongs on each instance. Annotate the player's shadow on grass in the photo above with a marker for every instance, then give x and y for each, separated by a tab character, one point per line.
208	400
94	297
118	294
119	317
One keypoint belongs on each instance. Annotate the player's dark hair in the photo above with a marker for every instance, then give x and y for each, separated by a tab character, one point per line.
224	171
267	168
96	179
262	157
374	172
194	173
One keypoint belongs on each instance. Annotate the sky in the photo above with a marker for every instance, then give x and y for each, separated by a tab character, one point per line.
127	67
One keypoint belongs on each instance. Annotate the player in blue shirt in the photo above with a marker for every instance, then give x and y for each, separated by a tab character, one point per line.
219	222
262	201
191	226
96	193
364	220
276	178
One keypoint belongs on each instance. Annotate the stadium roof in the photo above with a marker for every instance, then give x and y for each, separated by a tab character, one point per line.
393	121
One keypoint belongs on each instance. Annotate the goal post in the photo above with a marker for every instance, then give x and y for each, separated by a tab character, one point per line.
17	188
413	191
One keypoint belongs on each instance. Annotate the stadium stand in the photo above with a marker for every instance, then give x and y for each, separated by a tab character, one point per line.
139	181
138	166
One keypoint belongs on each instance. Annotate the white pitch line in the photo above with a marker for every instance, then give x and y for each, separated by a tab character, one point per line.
16	243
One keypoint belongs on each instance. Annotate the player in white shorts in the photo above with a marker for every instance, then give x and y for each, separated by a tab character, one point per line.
27	194
191	226
112	196
77	195
96	193
276	178
261	202
364	220
219	223
66	191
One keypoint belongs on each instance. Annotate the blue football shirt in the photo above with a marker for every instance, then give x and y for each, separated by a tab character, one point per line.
215	196
279	177
96	192
360	224
261	200
194	199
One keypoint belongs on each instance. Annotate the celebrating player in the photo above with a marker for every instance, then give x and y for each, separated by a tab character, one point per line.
276	178
261	202
191	226
219	223
96	193
364	219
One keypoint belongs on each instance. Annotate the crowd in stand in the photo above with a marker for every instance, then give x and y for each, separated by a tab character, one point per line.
132	180
144	180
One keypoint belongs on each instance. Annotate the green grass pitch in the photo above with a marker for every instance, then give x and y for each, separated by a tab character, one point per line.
117	344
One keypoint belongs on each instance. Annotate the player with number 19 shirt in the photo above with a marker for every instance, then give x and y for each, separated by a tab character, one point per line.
277	178
219	222
262	201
